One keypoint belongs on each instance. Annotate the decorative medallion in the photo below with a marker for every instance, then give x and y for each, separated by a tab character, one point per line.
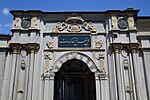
26	23
122	23
74	28
23	53
124	52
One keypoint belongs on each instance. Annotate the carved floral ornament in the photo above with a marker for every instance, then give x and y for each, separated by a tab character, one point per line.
74	24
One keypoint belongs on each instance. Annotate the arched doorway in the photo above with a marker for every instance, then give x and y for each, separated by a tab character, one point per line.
74	81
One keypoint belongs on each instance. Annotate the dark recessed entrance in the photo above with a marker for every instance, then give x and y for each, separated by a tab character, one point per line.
74	81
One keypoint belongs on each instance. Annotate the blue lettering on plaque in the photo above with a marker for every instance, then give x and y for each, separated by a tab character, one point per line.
74	41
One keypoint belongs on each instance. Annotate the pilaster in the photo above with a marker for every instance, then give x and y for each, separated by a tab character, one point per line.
138	73
33	48
14	50
121	91
98	87
48	79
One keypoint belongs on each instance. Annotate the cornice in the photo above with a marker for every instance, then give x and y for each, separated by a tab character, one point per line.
20	30
127	30
74	49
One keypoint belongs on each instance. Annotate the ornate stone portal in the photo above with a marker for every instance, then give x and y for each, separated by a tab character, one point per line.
76	56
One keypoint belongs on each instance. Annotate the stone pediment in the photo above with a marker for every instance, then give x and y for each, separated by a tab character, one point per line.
74	24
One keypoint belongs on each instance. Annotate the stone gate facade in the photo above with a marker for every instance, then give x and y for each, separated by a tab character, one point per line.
111	46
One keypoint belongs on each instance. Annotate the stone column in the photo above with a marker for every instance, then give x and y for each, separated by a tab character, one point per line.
37	74
48	86
146	56
5	85
138	74
14	48
98	86
32	49
120	82
51	86
112	76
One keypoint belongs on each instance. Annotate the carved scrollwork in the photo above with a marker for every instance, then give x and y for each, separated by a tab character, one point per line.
99	56
89	27
75	19
50	44
74	23
98	43
59	27
48	55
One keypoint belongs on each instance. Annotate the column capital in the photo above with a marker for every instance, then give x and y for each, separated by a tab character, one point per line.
134	47
15	47
116	47
33	47
48	76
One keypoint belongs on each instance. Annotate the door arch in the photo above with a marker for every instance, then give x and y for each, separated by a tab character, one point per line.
74	81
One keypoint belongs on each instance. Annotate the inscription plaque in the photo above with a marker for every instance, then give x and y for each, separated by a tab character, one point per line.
74	41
